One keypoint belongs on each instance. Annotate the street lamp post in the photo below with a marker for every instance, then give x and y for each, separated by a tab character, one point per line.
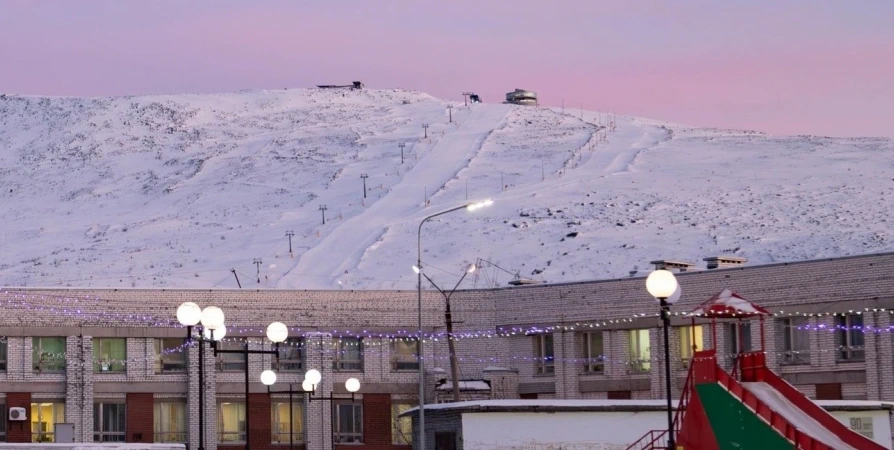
662	285
448	320
469	207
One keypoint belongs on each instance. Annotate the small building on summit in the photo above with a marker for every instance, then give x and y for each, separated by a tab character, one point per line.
522	97
354	85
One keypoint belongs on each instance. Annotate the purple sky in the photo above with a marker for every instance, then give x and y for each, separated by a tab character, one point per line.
787	67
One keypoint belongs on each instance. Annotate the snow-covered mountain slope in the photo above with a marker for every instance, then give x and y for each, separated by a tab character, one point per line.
180	190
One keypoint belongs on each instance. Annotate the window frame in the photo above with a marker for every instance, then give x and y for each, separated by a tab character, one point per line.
790	355
544	364
593	363
240	434
231	362
401	362
686	344
99	411
162	361
298	432
120	367
339	363
398	437
733	346
847	351
37	345
287	362
58	413
176	436
3	422
352	437
639	363
4	353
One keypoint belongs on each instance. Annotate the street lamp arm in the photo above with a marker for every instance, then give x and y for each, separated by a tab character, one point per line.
433	284
419	231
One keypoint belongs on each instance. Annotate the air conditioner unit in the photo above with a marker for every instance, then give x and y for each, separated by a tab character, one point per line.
17	414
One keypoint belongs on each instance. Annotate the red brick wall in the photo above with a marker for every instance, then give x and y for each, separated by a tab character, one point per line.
140	418
376	425
18	431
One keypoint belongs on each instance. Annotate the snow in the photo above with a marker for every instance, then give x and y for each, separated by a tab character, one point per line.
547	403
177	190
471	385
797	417
728	304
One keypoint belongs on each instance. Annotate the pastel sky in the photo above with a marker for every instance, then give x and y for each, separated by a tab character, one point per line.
821	67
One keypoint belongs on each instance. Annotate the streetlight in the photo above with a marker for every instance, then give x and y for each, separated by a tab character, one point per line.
448	320
662	285
418	269
312	378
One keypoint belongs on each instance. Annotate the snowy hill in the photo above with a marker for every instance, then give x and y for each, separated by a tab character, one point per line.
178	190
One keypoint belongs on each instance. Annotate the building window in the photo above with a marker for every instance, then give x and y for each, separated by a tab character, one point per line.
849	335
348	423
231	362
544	357
3	414
109	354
3	351
738	337
640	351
404	354
170	355
48	354
795	341
691	341
44	417
231	422
619	395
348	354
401	427
108	422
594	352
280	422
170	422
291	355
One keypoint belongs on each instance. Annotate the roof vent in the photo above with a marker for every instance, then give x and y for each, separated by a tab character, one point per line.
679	266
725	262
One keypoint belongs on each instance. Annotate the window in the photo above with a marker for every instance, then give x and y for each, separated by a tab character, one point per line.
170	422
404	354
231	362
291	355
691	341
850	337
594	352
348	423
640	351
48	354
2	423
544	357
348	354
108	422
401	427
3	350
231	422
44	417
618	395
170	355
280	422
738	337
109	354
795	341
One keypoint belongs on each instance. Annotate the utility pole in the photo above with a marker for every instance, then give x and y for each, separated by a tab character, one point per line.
237	278
364	177
425	127
257	263
450	108
401	145
466	98
323	210
290	233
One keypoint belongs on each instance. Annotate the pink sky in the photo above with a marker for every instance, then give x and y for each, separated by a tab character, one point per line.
821	67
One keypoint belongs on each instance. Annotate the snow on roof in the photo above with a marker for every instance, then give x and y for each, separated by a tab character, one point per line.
727	304
498	369
468	385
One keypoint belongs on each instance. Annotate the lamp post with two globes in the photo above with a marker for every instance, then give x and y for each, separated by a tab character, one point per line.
662	285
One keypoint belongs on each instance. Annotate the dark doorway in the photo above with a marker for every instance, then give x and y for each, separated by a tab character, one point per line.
445	441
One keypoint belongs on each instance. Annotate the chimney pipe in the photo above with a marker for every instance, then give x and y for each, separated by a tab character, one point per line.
725	262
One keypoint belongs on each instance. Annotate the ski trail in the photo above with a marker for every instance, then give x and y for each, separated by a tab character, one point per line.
342	248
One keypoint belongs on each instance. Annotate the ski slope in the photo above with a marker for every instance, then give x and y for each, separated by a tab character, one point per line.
186	190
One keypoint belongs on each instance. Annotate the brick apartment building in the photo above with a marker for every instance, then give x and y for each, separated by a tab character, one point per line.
114	363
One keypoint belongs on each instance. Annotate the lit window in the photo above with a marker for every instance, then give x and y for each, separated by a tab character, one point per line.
850	337
348	423
109	354
691	341
401	427
795	341
231	422
640	351
594	352
544	357
48	354
231	362
280	418
291	355
348	354
108	422
170	355
44	416
404	354
170	422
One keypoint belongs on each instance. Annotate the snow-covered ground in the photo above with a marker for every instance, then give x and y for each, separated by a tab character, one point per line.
178	190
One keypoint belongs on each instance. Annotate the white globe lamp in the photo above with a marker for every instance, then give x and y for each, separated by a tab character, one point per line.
661	284
352	385
189	314
219	333
268	377
307	386
277	332
313	376
212	317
